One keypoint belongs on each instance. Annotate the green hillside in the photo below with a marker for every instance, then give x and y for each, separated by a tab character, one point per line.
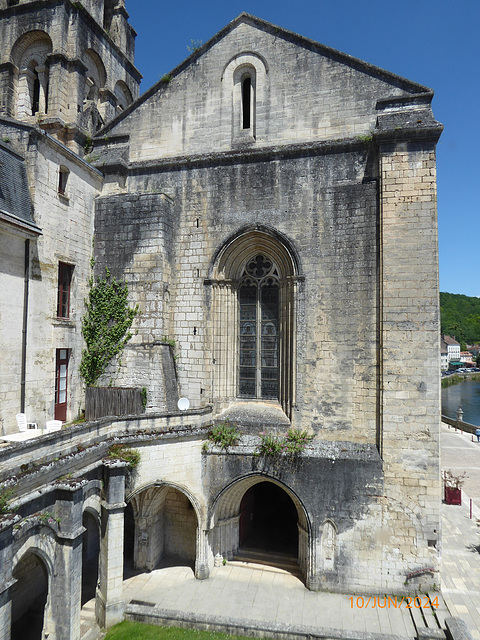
460	317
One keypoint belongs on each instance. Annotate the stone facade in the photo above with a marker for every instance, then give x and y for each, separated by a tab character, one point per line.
271	205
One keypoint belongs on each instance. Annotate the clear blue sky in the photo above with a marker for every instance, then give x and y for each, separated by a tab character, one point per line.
433	42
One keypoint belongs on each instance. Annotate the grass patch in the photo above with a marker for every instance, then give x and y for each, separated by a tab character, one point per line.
128	630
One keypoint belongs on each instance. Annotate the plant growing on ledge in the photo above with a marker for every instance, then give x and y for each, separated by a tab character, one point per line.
105	325
121	452
6	495
292	444
224	434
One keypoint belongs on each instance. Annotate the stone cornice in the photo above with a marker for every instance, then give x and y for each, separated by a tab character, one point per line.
245	156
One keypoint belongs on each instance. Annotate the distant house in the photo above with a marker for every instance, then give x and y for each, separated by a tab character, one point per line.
443	355
452	349
466	356
474	349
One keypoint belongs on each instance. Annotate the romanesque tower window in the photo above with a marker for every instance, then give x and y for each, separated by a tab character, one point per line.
244	85
30	54
245	88
259	329
35	97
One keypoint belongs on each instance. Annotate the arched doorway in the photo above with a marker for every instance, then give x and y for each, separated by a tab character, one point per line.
161	529
259	519
268	521
90	553
29	597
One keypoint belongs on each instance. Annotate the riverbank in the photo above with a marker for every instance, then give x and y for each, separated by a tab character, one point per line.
459	377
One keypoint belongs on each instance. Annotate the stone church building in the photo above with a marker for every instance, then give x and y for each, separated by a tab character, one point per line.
271	204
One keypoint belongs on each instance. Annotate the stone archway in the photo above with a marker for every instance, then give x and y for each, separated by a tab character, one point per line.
162	529
259	513
240	297
29	597
90	555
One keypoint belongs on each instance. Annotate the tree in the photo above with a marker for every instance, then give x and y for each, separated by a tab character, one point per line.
105	326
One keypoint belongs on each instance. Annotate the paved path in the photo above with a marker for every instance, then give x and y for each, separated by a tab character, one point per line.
264	594
460	535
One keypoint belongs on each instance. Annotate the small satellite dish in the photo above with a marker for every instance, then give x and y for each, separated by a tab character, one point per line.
183	404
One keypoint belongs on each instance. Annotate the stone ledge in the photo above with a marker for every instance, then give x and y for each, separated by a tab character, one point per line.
457	629
239	626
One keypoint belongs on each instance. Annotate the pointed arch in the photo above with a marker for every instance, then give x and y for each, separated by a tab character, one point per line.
167	522
253	341
224	537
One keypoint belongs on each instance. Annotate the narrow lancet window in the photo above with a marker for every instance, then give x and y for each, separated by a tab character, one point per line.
35	93
246	101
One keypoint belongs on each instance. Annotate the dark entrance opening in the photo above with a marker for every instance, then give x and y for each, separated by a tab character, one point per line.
90	553
268	521
29	596
128	541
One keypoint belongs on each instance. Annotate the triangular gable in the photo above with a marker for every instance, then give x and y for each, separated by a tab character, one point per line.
245	18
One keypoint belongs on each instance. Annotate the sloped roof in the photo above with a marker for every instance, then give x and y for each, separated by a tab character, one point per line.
15	202
451	341
279	32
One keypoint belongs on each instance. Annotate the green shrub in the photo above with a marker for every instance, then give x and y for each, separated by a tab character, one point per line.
105	326
121	452
291	444
225	434
6	495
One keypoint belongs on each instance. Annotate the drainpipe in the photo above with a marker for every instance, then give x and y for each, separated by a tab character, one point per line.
24	325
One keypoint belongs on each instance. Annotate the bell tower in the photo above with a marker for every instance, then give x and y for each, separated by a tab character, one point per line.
67	67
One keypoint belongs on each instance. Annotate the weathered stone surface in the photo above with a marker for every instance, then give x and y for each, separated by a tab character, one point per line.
325	171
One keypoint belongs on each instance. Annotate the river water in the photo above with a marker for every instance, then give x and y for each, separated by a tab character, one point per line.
466	395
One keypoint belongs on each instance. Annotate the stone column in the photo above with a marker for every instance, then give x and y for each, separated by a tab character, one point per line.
108	104
59	90
6	578
66	587
312	581
202	568
43	80
109	604
8	71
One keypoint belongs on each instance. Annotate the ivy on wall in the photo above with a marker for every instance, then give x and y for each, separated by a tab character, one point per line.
105	325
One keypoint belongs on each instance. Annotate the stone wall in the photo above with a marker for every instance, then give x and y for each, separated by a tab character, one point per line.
66	224
332	228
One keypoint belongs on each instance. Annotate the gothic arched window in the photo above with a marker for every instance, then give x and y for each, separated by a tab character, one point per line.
253	321
259	329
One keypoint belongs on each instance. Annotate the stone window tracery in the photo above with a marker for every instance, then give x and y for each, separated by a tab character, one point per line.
259	328
253	331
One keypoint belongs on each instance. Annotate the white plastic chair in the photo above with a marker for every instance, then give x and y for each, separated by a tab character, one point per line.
53	425
22	423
